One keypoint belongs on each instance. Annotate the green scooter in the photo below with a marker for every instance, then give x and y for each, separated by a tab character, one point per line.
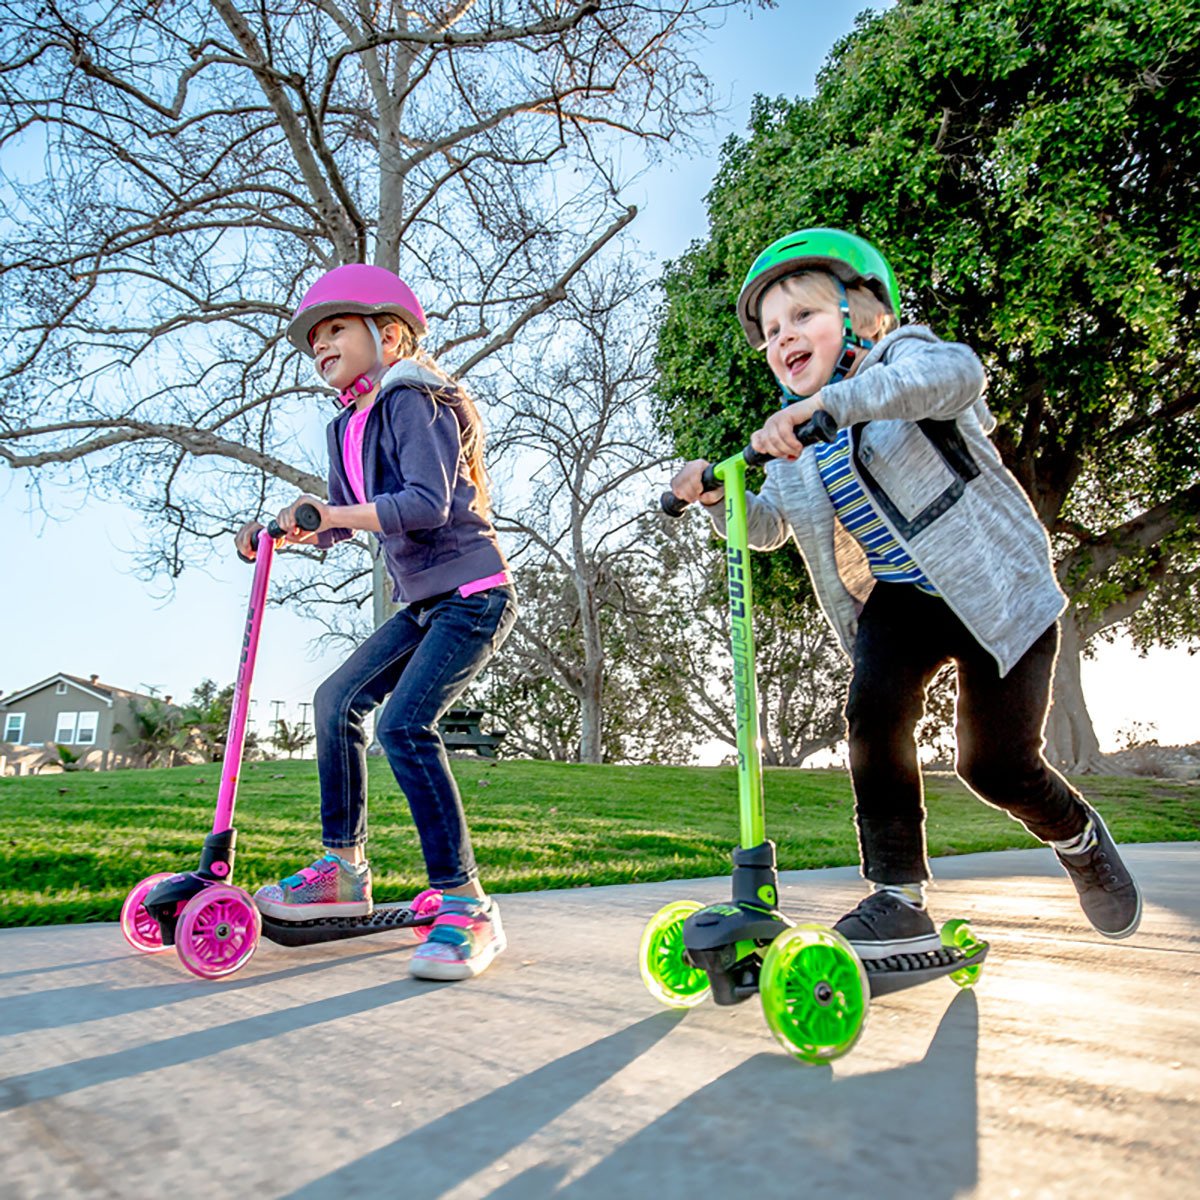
815	989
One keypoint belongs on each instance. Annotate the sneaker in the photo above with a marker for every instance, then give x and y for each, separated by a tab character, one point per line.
883	925
464	939
1108	895
331	887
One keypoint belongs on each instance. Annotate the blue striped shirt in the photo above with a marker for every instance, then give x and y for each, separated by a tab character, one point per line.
888	560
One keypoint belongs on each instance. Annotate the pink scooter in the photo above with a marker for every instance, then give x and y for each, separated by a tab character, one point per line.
213	925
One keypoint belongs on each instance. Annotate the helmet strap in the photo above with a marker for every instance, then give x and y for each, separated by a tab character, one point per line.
369	380
852	346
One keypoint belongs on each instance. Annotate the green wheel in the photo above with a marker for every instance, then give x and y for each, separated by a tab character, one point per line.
957	933
665	968
814	993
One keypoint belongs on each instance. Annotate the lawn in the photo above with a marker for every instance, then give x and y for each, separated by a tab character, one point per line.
77	842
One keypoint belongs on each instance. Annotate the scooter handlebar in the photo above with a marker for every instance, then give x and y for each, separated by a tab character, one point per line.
307	517
821	427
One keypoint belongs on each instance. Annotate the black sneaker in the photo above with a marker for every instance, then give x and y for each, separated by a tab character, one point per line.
1108	895
883	925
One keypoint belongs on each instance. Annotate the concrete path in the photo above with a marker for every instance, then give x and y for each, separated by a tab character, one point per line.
326	1072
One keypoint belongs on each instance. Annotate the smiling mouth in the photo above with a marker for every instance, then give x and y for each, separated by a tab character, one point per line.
328	361
797	362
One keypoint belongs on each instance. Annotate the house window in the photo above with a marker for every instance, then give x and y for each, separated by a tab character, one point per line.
64	729
85	729
14	727
61	690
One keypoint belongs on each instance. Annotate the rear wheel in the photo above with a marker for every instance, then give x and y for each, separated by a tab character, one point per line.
958	935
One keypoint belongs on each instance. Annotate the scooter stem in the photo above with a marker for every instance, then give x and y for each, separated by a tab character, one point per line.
236	738
732	473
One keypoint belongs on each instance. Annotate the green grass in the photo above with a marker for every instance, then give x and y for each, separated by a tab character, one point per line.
75	843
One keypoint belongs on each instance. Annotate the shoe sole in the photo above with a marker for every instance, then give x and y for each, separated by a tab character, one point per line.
441	971
917	945
314	912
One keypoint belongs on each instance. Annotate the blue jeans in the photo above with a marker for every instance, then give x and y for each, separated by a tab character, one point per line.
423	658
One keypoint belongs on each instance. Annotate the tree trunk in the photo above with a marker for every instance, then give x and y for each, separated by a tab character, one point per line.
591	702
1071	742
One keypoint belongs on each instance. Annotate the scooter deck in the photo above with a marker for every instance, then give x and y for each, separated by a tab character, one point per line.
332	929
902	971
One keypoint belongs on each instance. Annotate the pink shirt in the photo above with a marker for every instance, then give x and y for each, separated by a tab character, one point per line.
352	452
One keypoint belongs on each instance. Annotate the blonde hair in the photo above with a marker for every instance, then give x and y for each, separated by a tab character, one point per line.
456	395
869	317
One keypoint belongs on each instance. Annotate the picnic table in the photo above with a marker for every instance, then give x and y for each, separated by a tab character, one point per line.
460	731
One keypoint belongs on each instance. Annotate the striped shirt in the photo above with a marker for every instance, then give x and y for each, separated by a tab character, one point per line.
888	560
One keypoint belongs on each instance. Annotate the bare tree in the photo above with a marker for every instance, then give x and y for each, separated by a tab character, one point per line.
574	433
175	176
800	670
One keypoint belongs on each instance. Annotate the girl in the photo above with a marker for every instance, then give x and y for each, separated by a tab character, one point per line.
922	549
405	463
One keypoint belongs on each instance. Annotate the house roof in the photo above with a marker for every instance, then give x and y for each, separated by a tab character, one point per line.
92	685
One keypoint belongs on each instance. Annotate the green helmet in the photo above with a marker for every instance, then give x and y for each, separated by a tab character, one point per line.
845	255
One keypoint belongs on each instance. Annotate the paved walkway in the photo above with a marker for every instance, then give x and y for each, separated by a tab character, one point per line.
327	1072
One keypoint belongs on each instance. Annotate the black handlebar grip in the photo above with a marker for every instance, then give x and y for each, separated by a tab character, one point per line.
307	517
672	505
821	427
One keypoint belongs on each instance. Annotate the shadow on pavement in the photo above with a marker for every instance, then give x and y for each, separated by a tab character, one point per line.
19	1090
910	1131
56	1008
906	1131
438	1156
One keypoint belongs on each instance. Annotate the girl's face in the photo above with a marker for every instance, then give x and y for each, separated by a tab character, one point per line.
804	338
343	349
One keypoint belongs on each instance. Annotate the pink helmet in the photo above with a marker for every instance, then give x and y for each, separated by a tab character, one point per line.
354	288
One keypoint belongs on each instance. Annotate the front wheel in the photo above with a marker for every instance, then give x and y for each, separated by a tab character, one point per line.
814	993
141	930
665	967
218	931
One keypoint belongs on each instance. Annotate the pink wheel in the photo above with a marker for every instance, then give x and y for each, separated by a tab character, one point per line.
139	927
425	904
217	931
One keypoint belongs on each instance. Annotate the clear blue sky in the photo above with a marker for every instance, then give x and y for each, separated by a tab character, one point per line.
73	604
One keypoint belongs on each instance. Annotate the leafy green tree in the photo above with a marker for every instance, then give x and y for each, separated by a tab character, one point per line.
293	737
205	721
156	734
1030	167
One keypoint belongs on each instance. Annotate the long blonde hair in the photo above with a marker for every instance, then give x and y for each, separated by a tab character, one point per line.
454	394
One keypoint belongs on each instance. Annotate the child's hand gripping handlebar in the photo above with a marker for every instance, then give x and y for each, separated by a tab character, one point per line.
820	428
307	517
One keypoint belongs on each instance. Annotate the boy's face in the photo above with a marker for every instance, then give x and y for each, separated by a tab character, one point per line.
804	338
343	349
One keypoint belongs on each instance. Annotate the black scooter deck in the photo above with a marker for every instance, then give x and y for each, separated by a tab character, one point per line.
902	971
332	929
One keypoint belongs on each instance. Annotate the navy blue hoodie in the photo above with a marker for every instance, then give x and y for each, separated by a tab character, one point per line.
415	474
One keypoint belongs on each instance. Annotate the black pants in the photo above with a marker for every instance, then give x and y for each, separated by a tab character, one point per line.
904	637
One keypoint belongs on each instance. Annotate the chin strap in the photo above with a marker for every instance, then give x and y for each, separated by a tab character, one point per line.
369	380
852	344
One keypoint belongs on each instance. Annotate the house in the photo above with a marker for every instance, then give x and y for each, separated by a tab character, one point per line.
66	710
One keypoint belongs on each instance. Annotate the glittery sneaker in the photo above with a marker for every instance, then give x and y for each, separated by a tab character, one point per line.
1108	894
331	887
464	939
883	925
